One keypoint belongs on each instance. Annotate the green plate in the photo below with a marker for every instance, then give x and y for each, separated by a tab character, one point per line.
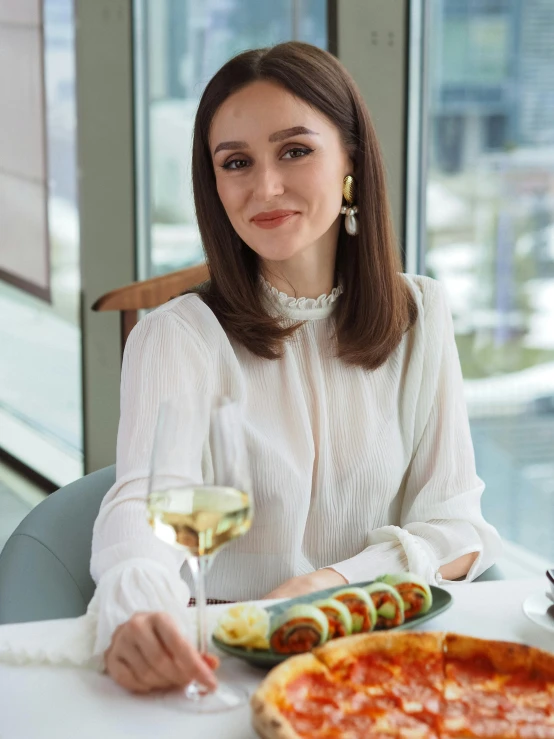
265	658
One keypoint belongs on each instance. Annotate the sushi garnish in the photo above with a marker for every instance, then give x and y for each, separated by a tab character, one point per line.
414	591
299	629
388	604
338	615
360	605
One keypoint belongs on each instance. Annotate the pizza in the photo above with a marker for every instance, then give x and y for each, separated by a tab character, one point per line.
409	685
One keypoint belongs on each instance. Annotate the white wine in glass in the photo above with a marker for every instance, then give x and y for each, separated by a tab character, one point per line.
200	516
200	519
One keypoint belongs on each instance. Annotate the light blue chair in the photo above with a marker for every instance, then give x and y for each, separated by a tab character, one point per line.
44	566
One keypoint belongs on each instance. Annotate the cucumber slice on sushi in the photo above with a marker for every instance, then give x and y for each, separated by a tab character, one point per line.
299	629
338	615
388	604
413	590
360	605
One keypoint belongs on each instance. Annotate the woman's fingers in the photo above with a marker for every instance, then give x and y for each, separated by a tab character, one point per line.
200	671
182	651
148	652
211	660
124	675
122	665
153	662
149	674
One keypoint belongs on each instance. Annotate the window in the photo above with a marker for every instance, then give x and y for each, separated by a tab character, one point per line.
179	46
40	355
489	238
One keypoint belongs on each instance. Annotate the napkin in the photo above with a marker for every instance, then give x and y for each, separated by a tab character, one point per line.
65	641
70	641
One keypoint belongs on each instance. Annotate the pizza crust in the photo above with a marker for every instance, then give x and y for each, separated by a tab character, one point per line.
267	720
505	657
274	686
542	662
412	644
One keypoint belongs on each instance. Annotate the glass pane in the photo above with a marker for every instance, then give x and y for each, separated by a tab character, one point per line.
180	45
40	357
490	241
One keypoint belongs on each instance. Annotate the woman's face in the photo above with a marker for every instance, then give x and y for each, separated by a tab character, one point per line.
279	166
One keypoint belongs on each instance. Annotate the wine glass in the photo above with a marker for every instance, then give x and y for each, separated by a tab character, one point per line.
199	500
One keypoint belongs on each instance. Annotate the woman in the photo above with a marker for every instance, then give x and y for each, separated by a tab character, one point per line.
346	371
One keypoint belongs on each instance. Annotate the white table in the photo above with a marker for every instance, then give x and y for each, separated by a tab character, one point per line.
69	703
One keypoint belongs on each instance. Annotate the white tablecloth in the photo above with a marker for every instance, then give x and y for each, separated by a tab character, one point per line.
39	702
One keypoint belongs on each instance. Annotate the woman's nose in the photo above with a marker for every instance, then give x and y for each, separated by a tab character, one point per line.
267	184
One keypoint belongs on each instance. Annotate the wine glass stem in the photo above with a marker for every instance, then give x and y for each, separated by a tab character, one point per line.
199	567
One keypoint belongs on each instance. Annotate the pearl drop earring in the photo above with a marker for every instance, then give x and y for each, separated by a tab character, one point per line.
349	210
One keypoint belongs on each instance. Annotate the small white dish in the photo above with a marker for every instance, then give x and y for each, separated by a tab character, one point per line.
535	607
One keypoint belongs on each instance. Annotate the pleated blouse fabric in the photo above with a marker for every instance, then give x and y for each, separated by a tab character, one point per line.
365	472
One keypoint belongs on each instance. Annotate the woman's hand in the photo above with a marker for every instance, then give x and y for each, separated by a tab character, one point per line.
149	653
318	580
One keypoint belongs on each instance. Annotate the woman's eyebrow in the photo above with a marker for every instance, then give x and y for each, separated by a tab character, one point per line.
230	145
286	133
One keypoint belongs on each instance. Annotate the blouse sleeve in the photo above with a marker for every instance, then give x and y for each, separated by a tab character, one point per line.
134	570
440	517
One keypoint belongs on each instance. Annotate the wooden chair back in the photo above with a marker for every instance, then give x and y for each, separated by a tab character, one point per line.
128	300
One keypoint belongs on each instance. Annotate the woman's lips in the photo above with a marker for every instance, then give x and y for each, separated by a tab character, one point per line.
273	219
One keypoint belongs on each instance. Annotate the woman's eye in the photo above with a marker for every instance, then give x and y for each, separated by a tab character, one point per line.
297	152
236	164
294	153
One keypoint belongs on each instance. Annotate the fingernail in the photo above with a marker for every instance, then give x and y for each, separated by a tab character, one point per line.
211	684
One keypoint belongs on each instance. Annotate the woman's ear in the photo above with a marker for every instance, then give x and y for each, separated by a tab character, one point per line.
350	167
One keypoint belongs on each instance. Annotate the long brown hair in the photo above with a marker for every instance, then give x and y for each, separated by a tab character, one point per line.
377	306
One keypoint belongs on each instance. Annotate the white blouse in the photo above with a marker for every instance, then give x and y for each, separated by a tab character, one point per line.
365	472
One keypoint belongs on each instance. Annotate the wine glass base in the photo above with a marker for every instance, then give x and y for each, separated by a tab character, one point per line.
225	698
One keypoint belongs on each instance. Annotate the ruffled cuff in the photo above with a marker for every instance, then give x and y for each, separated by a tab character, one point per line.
136	585
398	551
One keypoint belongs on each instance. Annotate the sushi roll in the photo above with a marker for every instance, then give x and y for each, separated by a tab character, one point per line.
388	604
360	605
299	629
338	615
413	590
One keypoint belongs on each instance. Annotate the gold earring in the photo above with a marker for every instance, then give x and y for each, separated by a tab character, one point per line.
349	210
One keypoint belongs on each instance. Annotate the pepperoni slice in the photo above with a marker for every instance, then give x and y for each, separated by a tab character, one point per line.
317	689
470	673
485	703
412	693
485	728
305	723
401	721
371	671
428	671
525	715
536	731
